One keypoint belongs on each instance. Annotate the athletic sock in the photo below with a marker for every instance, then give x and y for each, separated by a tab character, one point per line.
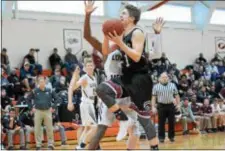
155	147
82	145
120	115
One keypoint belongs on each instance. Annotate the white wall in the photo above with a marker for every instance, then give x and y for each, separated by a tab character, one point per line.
181	45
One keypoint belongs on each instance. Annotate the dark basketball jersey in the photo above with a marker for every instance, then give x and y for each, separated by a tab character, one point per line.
129	66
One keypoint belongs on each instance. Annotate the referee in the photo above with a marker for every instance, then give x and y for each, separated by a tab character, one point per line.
166	94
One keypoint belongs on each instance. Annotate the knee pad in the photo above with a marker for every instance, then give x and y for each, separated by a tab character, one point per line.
148	127
106	94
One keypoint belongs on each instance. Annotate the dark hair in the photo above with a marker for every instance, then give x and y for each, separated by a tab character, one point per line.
4	50
134	12
32	49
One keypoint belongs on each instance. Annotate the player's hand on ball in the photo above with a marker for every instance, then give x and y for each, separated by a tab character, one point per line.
70	106
158	25
114	37
89	7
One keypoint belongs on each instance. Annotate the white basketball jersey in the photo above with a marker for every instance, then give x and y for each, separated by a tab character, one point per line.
89	92
113	65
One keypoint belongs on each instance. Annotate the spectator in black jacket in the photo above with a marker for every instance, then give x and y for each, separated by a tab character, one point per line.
12	125
27	122
202	94
6	102
55	59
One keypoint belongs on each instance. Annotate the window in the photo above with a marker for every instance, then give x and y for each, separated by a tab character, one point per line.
68	7
218	17
170	13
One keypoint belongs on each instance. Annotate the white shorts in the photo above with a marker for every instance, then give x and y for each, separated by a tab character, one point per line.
87	113
107	118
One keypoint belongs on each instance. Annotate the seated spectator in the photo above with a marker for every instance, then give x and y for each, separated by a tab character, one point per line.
207	115
221	67
216	58
187	116
222	113
202	94
4	80
18	88
212	94
83	55
58	127
61	85
183	85
194	86
27	122
216	118
215	72
5	60
27	76
201	58
70	59
12	125
55	78
196	109
31	59
55	59
220	83
163	58
154	77
6	102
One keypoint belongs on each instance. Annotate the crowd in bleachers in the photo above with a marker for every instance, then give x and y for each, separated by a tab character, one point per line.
201	86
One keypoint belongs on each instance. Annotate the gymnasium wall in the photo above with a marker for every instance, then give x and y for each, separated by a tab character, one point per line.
181	42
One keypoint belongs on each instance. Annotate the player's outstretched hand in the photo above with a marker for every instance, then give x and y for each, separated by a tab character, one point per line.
89	6
158	25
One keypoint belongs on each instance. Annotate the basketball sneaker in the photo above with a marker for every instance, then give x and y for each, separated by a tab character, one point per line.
123	129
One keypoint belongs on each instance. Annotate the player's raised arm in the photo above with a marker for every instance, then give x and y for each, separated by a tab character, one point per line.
157	26
93	41
75	83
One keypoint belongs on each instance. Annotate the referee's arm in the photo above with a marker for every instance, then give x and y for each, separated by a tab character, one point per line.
177	97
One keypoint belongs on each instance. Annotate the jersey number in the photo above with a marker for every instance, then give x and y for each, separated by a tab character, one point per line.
127	61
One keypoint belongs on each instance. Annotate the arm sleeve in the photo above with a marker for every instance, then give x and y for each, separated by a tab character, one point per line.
154	48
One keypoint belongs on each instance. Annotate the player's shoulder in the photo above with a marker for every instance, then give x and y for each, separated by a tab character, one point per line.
138	29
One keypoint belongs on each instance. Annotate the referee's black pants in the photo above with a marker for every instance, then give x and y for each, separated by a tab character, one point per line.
166	111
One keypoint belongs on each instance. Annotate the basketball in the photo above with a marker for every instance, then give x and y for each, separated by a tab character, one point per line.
113	24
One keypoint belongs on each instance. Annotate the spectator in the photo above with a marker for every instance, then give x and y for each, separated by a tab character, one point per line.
222	94
207	115
221	68
58	127
55	78
220	83
212	94
202	94
163	58
61	85
5	60
6	102
4	80
55	59
216	58
216	118
83	55
201	59
31	59
17	86
154	77
70	59
27	76
187	116
196	109
222	113
183	85
215	72
13	126
27	121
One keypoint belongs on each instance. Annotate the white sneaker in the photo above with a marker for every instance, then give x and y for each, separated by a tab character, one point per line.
123	130
79	148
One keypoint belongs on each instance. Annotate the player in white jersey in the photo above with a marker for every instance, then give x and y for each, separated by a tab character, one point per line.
88	85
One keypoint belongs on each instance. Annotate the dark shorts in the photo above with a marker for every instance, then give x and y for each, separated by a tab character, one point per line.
138	87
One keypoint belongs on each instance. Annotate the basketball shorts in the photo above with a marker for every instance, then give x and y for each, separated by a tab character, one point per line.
108	118
87	113
137	86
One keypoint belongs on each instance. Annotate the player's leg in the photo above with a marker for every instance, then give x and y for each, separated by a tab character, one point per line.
108	92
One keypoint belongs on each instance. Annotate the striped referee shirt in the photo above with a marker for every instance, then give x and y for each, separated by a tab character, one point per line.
165	93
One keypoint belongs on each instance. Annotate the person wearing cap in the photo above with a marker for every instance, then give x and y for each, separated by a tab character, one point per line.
27	75
187	116
13	126
43	101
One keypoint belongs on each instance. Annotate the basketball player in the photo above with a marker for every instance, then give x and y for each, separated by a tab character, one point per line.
97	45
88	85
